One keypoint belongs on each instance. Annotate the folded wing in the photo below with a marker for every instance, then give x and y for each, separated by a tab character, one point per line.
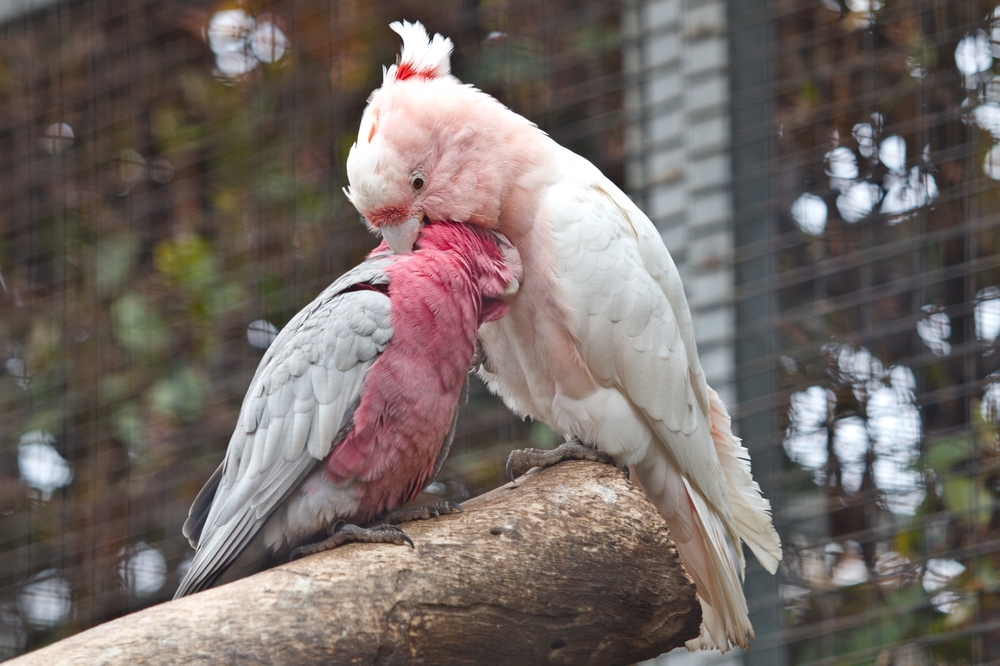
298	407
636	334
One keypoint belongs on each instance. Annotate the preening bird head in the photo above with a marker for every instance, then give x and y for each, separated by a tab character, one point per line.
430	149
490	261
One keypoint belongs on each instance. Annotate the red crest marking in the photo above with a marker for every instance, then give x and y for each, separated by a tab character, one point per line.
406	71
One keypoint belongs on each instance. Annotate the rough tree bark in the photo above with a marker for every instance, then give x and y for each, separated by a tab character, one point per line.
568	565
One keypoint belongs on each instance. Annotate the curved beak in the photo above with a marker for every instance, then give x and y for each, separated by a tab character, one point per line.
512	288
401	237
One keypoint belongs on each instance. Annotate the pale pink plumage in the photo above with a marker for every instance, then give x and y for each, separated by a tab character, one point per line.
599	341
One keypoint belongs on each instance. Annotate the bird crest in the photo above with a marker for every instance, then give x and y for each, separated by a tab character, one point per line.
421	56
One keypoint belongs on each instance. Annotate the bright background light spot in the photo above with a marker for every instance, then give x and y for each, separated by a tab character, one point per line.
57	138
991	165
864	134
268	42
809	212
850	568
45	602
989	408
40	465
935	330
973	54
987	116
938	574
806	439
892	152
261	333
858	201
144	571
987	314
850	444
841	163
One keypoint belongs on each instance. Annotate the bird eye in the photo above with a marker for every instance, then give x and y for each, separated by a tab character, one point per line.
417	182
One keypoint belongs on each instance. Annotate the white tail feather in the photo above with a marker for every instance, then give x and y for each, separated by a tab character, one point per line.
751	510
708	547
724	617
705	548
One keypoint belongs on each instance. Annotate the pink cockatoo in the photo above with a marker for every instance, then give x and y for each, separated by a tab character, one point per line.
353	408
598	342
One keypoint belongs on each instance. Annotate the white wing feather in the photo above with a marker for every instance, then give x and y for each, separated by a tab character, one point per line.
627	296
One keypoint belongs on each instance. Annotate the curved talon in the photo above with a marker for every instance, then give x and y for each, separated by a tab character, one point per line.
510	468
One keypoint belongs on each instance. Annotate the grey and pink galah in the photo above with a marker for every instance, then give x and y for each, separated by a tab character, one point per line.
599	342
352	409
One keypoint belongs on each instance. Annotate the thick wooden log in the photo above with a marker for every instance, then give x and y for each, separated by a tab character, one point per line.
568	565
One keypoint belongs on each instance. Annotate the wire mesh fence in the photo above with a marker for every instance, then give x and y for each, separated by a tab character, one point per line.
171	193
874	278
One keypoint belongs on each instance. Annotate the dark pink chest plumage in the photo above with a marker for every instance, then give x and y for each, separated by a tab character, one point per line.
411	393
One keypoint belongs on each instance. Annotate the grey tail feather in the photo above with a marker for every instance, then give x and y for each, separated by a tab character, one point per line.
221	569
203	574
198	513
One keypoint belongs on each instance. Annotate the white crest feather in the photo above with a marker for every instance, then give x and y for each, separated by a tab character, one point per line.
429	58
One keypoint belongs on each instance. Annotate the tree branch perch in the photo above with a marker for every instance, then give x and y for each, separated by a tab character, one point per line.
568	565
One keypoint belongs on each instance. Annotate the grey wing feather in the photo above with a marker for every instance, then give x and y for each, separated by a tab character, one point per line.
286	426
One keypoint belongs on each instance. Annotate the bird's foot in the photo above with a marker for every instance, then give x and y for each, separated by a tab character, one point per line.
521	460
344	533
418	513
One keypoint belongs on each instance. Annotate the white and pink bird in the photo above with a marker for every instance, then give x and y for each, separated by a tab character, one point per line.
598	342
353	408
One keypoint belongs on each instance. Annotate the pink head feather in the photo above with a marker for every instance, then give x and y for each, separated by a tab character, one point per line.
431	147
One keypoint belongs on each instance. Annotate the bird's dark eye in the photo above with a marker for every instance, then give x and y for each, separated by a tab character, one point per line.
417	183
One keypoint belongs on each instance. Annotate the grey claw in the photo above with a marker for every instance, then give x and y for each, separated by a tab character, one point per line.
403	536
